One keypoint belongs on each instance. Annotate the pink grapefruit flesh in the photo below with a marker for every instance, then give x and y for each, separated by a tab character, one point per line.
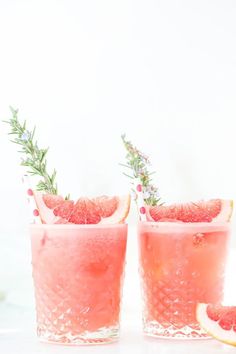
214	210
85	212
101	210
219	321
107	205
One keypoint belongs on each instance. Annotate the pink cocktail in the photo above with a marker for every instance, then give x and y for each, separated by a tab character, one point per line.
78	275
181	264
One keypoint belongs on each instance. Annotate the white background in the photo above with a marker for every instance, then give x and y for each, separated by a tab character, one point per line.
84	72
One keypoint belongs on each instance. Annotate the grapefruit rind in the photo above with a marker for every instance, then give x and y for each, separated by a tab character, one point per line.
226	211
46	214
213	328
121	212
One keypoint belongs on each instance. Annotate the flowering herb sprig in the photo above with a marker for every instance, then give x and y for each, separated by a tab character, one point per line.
35	158
138	164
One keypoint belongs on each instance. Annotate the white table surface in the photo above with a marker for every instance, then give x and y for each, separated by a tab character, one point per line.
17	336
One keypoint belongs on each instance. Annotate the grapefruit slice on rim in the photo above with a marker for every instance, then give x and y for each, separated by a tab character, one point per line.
214	210
55	209
219	321
117	212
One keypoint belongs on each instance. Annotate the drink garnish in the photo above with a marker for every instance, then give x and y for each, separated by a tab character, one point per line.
34	158
219	321
138	165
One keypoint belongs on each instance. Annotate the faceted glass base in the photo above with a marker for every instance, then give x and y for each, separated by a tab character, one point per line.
101	336
155	329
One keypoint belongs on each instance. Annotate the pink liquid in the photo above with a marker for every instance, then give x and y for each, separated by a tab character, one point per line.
78	273
181	265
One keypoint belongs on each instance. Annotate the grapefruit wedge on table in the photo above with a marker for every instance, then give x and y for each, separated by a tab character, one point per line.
214	210
55	209
219	321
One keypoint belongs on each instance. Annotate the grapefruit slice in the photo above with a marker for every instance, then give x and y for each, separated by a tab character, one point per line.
54	209
46	204
119	214
107	205
219	321
214	210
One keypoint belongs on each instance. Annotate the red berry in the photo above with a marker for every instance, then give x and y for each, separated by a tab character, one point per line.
139	188
36	212
30	192
142	210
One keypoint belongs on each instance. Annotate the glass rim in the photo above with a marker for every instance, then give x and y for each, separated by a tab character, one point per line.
185	225
77	226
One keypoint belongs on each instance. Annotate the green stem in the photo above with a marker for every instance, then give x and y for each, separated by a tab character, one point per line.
35	158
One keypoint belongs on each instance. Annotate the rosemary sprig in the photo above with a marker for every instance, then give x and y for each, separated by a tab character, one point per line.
35	158
137	164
